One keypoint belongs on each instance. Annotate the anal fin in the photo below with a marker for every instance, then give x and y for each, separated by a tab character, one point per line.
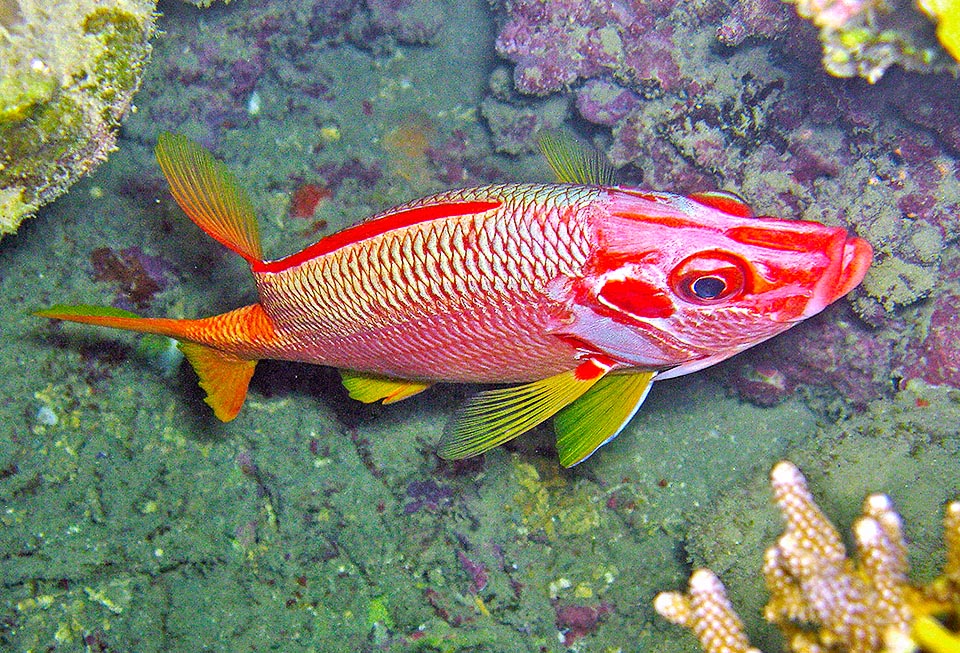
369	388
599	415
224	377
496	416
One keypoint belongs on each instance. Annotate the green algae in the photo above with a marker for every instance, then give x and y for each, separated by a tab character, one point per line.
69	73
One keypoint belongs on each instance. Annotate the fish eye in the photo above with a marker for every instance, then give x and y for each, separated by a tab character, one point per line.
708	278
708	287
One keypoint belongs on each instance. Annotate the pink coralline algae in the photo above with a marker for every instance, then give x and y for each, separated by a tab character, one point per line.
136	276
577	621
935	358
840	354
556	44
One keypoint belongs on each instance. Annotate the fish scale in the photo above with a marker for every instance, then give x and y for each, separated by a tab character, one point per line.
387	285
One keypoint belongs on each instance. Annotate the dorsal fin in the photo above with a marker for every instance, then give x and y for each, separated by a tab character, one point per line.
725	201
208	193
573	162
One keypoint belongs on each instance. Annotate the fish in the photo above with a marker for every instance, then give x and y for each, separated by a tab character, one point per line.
572	297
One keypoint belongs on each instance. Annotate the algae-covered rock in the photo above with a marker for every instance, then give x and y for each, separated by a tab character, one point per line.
204	3
68	72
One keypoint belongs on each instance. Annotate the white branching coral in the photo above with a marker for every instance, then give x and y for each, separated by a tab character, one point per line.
825	602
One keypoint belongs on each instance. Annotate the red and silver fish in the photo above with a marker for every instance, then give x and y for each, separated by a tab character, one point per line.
582	293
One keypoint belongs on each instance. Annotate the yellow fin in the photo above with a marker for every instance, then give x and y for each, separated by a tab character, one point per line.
224	377
209	194
369	388
574	162
599	415
497	416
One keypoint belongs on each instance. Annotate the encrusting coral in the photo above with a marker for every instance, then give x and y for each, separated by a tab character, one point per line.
68	72
865	37
821	600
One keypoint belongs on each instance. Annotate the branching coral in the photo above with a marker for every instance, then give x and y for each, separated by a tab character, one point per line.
823	601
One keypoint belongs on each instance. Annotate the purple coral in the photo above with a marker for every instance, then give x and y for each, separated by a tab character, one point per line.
429	495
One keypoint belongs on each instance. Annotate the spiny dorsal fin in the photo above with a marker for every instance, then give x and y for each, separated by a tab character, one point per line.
599	415
497	416
573	162
224	377
208	193
369	388
724	200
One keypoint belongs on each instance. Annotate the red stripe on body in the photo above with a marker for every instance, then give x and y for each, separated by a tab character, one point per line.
375	227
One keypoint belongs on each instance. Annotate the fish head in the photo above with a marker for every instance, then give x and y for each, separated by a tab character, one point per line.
677	284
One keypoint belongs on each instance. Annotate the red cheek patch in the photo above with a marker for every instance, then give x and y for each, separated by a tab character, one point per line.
636	298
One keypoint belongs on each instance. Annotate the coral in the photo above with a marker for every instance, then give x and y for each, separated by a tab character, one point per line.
68	72
865	37
823	601
947	15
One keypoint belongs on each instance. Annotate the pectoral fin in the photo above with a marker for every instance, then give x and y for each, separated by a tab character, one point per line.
497	416
369	388
599	415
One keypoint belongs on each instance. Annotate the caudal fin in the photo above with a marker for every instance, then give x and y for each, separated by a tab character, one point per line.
223	376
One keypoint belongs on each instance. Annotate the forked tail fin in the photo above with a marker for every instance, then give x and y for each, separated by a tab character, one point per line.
224	376
212	198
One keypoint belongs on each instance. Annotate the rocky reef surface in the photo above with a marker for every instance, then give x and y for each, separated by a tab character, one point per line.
132	521
68	72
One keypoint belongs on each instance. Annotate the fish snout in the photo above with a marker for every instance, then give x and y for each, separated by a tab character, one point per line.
853	257
857	257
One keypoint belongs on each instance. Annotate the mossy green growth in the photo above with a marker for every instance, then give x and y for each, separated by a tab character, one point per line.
20	95
65	85
120	63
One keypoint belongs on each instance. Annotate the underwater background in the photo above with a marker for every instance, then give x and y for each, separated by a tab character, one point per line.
132	520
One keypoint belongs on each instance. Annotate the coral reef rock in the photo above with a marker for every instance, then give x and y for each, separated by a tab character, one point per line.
68	72
823	601
865	37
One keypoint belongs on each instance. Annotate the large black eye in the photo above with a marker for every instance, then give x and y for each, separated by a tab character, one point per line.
708	287
710	277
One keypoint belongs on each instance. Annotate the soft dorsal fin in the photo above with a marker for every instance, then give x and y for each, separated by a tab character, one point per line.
208	193
599	415
369	388
224	377
496	416
725	201
573	162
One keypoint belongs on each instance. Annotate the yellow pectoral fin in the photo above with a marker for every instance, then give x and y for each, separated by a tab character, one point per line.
497	416
224	377
369	388
599	415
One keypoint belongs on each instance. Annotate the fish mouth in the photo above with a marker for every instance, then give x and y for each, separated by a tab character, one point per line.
857	257
852	266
